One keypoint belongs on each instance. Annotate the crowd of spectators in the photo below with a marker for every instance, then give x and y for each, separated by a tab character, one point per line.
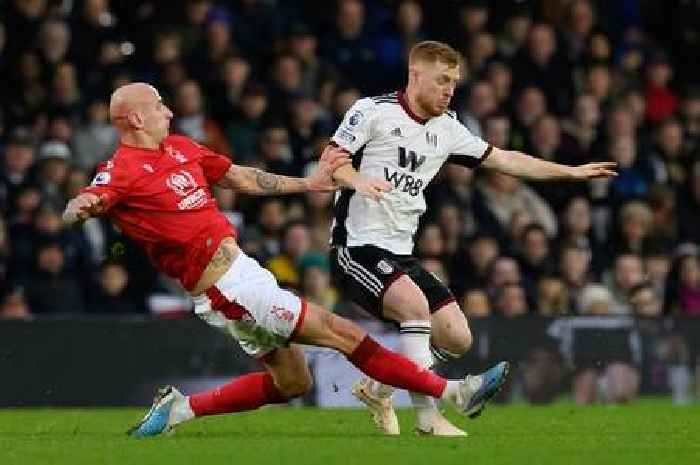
266	82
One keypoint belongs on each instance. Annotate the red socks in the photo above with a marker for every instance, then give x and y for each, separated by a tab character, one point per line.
396	370
257	389
245	393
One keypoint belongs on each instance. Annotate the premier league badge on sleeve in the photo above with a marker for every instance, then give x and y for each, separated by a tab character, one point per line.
355	118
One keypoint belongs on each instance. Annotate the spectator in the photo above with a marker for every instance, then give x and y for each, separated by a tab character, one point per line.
552	296
475	303
540	64
689	285
430	243
574	267
499	196
534	253
350	46
645	300
96	140
245	128
54	158
510	300
626	273
14	305
193	122
314	271
296	242
110	296
662	101
50	290
635	223
515	31
481	103
582	128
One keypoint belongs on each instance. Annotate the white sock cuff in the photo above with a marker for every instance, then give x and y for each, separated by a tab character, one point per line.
415	326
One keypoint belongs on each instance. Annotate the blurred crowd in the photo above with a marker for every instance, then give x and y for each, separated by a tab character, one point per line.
266	82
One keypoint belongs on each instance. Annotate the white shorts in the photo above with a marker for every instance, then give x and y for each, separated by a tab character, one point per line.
248	304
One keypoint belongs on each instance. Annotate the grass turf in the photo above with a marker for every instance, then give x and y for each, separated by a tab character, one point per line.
647	432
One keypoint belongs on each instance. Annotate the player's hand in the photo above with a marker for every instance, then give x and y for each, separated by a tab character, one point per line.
332	158
83	207
372	188
605	169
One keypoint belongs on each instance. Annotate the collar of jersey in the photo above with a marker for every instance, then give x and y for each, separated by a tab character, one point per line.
404	104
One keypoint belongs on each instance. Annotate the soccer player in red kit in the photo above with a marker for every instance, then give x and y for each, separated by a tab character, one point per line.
156	188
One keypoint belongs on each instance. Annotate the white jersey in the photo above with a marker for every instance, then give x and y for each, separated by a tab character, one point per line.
388	141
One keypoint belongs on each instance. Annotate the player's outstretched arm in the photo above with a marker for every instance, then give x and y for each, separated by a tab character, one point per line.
525	166
82	207
258	182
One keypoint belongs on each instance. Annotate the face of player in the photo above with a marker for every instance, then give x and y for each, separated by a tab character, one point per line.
156	117
436	85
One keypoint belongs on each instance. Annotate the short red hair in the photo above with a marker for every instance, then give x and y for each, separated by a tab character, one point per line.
431	51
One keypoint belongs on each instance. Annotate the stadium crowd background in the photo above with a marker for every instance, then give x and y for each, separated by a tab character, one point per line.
267	82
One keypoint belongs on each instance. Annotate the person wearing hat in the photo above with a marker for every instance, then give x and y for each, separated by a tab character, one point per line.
54	166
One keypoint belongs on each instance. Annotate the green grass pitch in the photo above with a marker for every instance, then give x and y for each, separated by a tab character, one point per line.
647	432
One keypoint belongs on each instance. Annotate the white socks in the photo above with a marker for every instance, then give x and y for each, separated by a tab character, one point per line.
414	339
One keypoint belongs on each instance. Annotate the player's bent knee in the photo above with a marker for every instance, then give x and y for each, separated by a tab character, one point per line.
457	343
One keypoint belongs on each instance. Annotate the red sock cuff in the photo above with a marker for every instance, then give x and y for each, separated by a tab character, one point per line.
272	394
364	351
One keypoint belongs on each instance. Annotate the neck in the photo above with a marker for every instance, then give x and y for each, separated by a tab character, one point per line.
139	140
411	98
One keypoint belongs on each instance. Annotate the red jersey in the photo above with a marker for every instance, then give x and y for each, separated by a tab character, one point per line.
161	199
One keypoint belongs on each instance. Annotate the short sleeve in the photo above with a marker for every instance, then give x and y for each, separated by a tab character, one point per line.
468	150
356	128
213	165
111	182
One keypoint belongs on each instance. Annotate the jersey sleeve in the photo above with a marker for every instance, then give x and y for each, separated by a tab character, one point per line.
356	128
111	182
214	165
468	150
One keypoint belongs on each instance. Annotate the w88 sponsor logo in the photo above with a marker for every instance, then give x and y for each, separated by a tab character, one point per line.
404	182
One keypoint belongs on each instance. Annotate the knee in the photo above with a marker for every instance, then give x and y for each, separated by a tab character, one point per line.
458	342
296	387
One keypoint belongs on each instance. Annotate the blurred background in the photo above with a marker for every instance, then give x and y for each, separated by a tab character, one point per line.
593	290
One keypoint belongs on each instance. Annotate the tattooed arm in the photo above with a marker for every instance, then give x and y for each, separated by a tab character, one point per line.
254	181
257	182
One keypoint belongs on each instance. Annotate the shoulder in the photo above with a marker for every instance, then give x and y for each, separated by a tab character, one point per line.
178	140
377	103
450	121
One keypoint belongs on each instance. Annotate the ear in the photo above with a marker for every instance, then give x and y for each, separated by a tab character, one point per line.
135	119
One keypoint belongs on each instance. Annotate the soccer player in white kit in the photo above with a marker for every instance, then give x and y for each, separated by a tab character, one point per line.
405	137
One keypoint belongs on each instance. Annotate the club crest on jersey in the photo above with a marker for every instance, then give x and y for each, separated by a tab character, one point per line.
182	183
148	167
385	267
175	153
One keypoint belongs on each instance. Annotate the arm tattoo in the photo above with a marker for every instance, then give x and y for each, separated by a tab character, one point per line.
268	182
